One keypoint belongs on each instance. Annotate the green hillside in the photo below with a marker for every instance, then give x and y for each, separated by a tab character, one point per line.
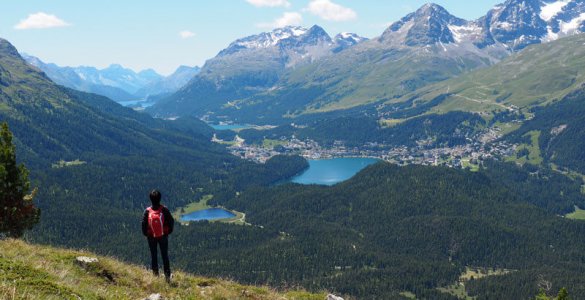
52	123
39	272
535	76
375	72
369	73
443	130
556	134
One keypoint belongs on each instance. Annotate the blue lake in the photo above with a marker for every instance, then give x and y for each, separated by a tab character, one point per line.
134	103
332	171
229	126
207	214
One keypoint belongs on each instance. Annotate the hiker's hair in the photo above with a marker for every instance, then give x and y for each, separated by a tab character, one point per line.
155	196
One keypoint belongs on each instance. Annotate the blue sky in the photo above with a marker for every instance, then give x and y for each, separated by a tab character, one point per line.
162	35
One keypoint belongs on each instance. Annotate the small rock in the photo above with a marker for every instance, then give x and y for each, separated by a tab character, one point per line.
154	297
333	297
84	260
91	264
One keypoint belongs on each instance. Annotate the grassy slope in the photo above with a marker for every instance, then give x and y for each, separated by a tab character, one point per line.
561	133
39	272
534	156
362	75
373	74
579	214
535	76
458	288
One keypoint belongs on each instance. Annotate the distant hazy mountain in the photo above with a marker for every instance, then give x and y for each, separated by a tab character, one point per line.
70	78
169	84
115	82
117	76
294	71
251	65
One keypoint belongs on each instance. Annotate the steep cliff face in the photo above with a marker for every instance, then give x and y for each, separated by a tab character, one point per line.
429	25
519	23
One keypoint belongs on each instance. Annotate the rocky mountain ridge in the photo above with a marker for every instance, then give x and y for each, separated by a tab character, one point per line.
294	71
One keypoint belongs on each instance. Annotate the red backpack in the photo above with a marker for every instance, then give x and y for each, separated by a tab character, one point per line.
156	222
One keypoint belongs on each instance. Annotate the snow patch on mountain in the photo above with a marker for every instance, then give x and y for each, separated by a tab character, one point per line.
565	28
350	37
266	39
550	10
470	31
572	27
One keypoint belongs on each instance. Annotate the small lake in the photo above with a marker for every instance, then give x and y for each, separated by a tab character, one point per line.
137	103
332	171
207	214
229	126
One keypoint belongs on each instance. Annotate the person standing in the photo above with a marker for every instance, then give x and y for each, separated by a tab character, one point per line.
157	224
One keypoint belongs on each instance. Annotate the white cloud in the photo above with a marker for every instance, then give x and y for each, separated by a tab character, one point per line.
287	19
185	34
330	11
40	20
269	3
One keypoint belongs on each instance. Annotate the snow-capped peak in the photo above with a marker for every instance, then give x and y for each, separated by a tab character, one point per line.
350	37
346	35
346	40
426	26
284	33
265	39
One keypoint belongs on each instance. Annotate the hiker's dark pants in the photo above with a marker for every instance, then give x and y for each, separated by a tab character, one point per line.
163	242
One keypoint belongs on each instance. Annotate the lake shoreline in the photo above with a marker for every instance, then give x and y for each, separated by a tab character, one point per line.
239	218
330	171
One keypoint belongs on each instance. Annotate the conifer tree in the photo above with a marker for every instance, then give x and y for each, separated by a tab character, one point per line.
17	211
563	295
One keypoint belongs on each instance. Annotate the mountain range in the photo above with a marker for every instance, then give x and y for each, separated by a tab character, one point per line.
254	64
169	84
294	71
115	82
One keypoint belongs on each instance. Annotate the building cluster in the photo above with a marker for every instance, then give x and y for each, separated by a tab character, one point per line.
480	147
